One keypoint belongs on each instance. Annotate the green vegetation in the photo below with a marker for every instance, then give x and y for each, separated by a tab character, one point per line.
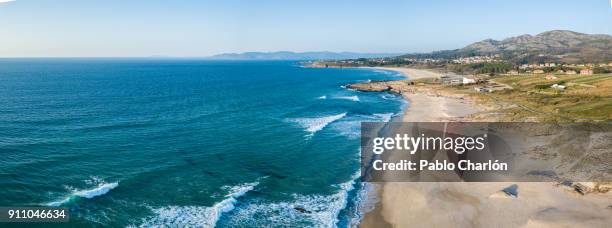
482	68
601	70
586	98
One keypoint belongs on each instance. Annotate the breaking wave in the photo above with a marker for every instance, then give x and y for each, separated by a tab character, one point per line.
99	190
322	97
365	201
199	216
352	98
384	117
303	211
388	96
351	126
313	125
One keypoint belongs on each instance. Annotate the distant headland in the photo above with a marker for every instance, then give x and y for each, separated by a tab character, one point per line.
288	55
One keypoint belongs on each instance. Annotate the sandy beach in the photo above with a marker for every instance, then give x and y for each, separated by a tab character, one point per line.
457	204
412	73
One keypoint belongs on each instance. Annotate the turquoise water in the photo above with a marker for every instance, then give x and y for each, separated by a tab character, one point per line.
145	142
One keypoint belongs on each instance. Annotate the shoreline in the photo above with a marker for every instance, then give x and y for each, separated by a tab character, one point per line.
425	107
409	73
374	216
461	204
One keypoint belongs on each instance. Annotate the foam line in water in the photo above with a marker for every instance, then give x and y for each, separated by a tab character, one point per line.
322	97
342	200
303	210
198	216
352	98
101	189
388	96
344	87
365	201
351	126
385	117
313	125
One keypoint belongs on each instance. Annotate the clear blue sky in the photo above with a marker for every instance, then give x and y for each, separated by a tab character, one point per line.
200	28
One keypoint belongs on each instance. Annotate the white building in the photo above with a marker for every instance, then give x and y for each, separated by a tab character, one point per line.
559	87
469	80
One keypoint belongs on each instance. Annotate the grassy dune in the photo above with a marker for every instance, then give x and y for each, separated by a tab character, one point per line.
586	97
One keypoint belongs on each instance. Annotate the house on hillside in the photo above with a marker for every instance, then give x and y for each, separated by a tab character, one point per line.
560	72
538	71
586	71
513	72
550	77
570	72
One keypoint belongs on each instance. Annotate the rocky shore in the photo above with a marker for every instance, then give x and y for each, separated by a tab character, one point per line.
380	86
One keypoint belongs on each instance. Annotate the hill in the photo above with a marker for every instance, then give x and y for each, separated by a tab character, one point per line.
556	45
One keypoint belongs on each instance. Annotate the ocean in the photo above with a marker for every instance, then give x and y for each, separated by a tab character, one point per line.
149	142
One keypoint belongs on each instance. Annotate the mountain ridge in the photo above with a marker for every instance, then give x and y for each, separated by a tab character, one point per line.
561	45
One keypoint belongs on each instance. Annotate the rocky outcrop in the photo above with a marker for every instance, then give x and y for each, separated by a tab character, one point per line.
302	210
508	192
370	87
398	87
592	187
584	188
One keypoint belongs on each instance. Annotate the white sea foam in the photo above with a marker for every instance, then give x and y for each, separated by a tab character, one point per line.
322	97
99	190
314	210
344	87
352	98
351	126
389	72
198	216
381	71
365	200
313	125
387	96
384	117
